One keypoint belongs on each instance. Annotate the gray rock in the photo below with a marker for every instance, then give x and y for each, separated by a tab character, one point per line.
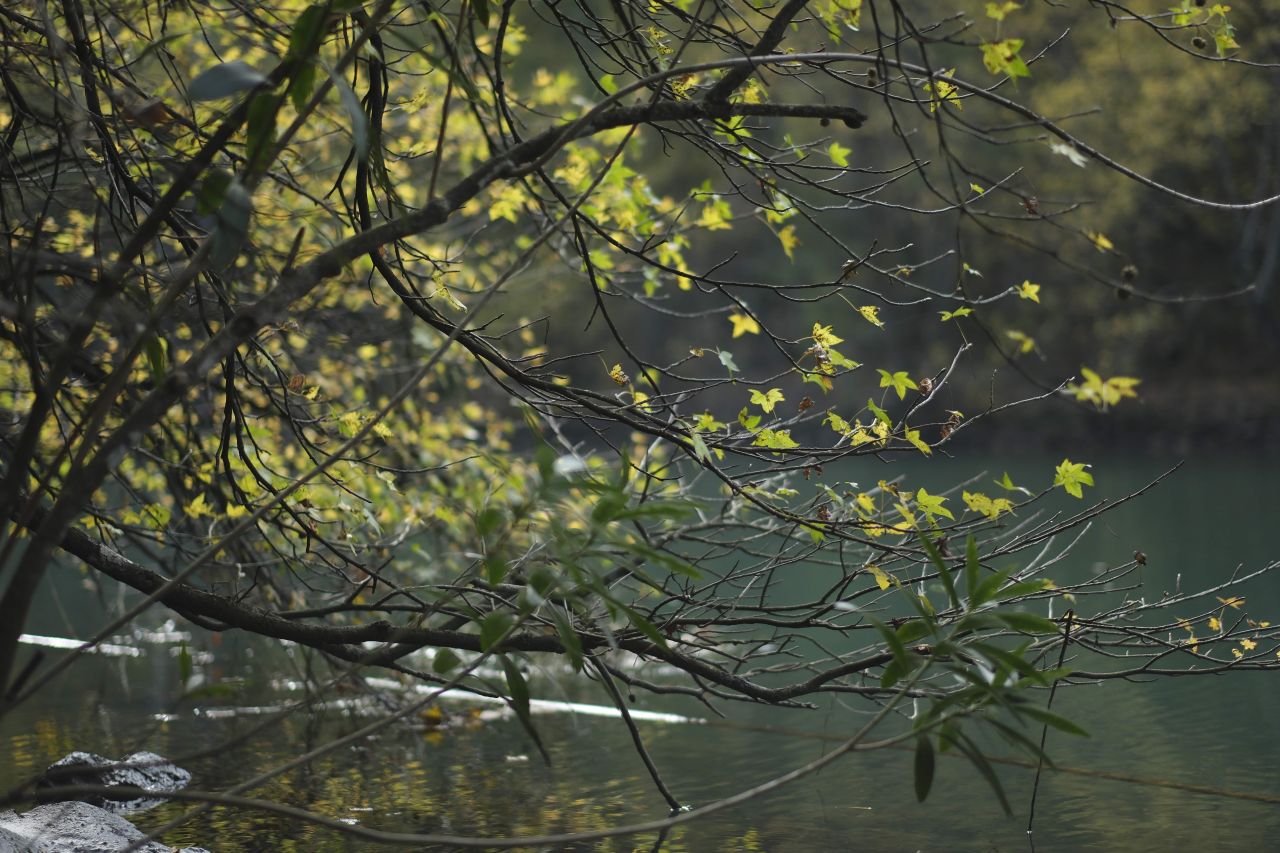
144	770
73	827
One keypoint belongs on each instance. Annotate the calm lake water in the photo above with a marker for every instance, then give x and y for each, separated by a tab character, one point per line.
1215	733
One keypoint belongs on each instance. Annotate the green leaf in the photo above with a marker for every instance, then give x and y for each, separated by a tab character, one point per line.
260	130
1051	719
1020	740
972	567
481	10
495	569
184	664
644	626
493	627
224	80
726	358
988	588
898	381
839	154
445	660
608	506
569	639
700	449
519	690
488	520
1014	661
923	767
157	357
232	227
1017	590
944	574
213	191
1028	623
912	630
359	121
894	672
975	756
302	85
304	40
221	690
880	414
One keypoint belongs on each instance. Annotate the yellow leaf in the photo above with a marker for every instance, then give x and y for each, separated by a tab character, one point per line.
1248	645
768	399
198	507
1027	290
349	423
1235	601
1072	477
1215	624
944	92
715	216
1025	342
823	336
787	236
871	314
1100	241
775	439
991	508
913	436
882	579
1102	392
618	375
1002	57
932	505
964	311
743	325
708	423
997	11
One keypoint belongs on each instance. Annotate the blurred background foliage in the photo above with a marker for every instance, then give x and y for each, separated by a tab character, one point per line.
1210	128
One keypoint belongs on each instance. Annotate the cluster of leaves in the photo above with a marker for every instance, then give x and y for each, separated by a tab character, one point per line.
965	640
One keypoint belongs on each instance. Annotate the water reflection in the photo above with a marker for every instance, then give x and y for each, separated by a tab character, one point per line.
481	777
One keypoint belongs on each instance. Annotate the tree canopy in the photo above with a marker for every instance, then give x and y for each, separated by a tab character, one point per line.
456	339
